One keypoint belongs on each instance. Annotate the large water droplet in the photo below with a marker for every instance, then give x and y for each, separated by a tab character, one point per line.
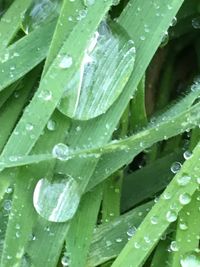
40	12
56	201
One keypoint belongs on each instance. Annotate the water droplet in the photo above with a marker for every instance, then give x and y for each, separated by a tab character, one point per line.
196	23
183	180
183	226
9	190
165	39
187	155
7	205
184	199
154	220
45	95
190	260
176	166
171	216
65	261
131	231
89	2
174	246
56	201
29	127
61	151
66	62
174	21
51	125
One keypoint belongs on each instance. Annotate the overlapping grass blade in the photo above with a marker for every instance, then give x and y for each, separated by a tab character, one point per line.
10	22
168	208
113	235
22	56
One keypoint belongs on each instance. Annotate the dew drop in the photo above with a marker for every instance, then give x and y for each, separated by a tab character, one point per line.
173	246
29	127
184	199
56	201
183	180
61	152
176	166
187	155
154	220
7	205
65	261
196	23
66	62
51	125
183	226
89	2
45	95
171	216
131	231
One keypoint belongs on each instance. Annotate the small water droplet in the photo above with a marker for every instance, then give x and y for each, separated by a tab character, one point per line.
174	246
65	261
45	95
7	205
131	231
196	23
187	155
176	166
184	199
51	125
61	151
119	240
29	127
66	62
154	220
171	216
183	180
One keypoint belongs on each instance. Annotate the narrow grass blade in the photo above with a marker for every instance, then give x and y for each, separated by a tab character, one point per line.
82	227
19	58
114	235
168	208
